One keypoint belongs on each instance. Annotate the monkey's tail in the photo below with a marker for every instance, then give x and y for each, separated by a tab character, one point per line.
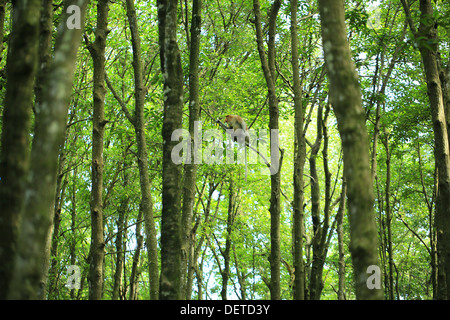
245	159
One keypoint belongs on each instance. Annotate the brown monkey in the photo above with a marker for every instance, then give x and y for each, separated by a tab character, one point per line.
236	122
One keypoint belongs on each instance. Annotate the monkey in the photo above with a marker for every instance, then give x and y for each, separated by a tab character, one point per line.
237	123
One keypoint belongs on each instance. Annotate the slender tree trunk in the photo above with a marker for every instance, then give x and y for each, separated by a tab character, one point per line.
190	169
315	276
51	120
193	255
226	252
320	227
340	234
428	30
134	267
299	163
96	255
191	268
324	238
427	41
376	133
208	220
431	225
139	125
51	277
45	46
240	275
345	97
120	254
444	75
379	92
170	280
55	219
73	244
15	154
389	217
268	66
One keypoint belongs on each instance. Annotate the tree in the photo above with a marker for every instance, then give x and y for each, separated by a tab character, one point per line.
45	46
268	67
299	162
96	255
49	135
14	162
190	169
345	98
340	234
170	285
426	39
139	126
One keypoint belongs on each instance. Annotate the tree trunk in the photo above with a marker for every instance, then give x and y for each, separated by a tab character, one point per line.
190	169
299	163
55	219
389	217
170	285
340	234
73	244
320	227
226	252
240	275
51	120
444	75
379	92
345	97
193	254
427	41
428	30
96	255
316	276
139	125
45	46
268	67
134	268
120	253
431	224
14	161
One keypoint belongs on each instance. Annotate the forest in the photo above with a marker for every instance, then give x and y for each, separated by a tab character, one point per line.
123	176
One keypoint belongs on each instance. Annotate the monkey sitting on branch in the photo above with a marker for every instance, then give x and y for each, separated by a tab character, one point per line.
240	130
240	134
237	123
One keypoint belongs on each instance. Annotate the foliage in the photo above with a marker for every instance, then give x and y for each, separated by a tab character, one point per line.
232	82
